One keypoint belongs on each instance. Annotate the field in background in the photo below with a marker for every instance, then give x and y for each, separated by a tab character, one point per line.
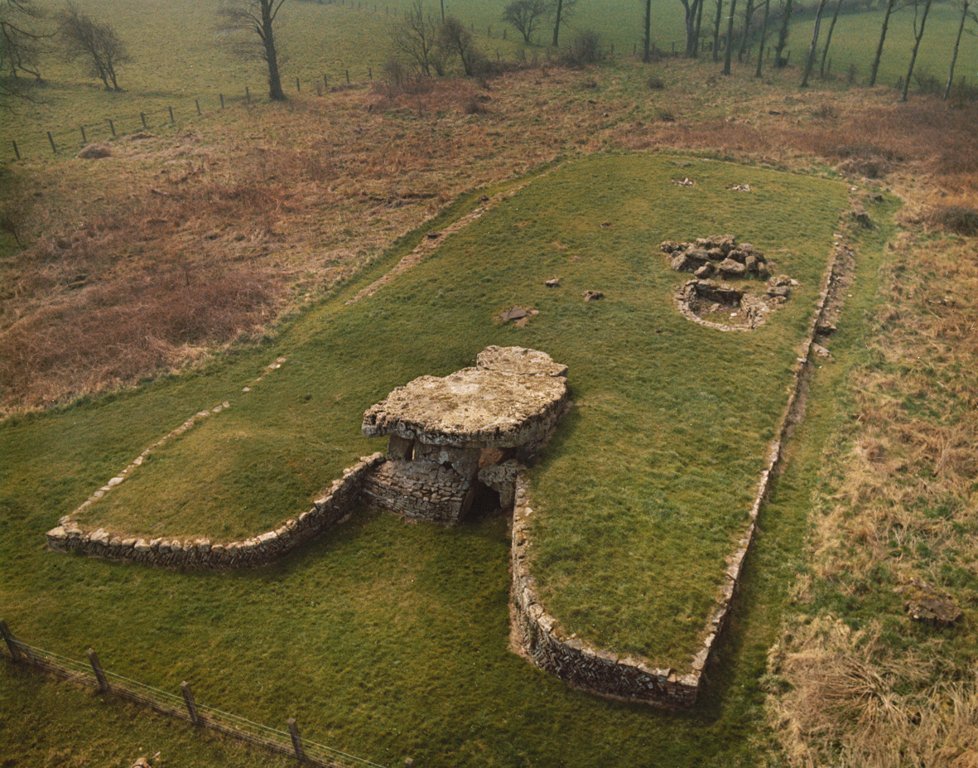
178	57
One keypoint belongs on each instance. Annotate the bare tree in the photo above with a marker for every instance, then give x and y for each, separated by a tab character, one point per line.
526	16
20	42
455	40
779	58
760	50
813	48
242	18
716	30
874	70
965	15
745	32
828	38
919	22
562	9
728	52
416	37
647	38
692	10
97	43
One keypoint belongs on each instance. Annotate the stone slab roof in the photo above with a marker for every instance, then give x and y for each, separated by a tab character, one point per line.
512	397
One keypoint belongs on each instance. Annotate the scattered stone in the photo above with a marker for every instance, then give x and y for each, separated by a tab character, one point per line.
142	762
593	295
826	328
553	282
820	351
94	152
732	268
926	604
684	182
434	235
719	253
862	218
740	188
520	315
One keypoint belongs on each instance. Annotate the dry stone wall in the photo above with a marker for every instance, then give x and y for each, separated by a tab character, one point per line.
419	489
336	504
582	664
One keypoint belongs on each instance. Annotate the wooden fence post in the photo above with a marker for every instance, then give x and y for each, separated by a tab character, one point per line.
197	102
298	88
16	151
4	629
325	83
248	94
370	72
172	120
188	698
347	77
54	147
296	741
103	682
222	100
142	117
112	127
84	137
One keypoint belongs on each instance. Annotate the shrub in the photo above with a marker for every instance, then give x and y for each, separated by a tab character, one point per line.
956	218
655	83
584	49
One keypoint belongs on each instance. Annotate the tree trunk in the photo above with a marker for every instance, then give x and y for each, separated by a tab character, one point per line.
813	48
918	36
828	38
779	60
748	13
647	40
954	54
557	14
729	49
879	48
760	50
275	92
689	20
699	26
716	31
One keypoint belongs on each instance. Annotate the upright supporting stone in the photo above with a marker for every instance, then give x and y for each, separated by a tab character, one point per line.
296	741
188	698
103	681
8	638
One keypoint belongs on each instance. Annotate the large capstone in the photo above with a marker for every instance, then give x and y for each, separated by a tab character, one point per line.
447	432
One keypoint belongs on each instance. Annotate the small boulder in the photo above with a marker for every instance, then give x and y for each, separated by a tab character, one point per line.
94	152
731	268
553	282
593	295
926	604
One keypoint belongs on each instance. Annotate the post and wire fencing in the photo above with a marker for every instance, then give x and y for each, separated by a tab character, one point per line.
184	706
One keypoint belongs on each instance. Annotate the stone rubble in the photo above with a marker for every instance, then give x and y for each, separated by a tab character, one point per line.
718	255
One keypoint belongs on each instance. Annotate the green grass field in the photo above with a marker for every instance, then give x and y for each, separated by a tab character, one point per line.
177	57
661	456
391	640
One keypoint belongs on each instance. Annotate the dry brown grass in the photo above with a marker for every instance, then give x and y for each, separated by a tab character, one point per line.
905	507
844	708
286	201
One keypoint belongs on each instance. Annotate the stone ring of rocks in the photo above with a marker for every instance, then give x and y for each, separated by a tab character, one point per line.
708	300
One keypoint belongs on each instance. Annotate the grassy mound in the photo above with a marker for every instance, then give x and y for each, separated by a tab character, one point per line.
389	640
650	479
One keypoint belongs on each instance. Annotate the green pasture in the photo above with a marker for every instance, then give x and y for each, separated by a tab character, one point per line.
178	57
391	640
662	453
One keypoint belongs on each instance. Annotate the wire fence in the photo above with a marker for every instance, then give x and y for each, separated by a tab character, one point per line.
69	140
183	706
